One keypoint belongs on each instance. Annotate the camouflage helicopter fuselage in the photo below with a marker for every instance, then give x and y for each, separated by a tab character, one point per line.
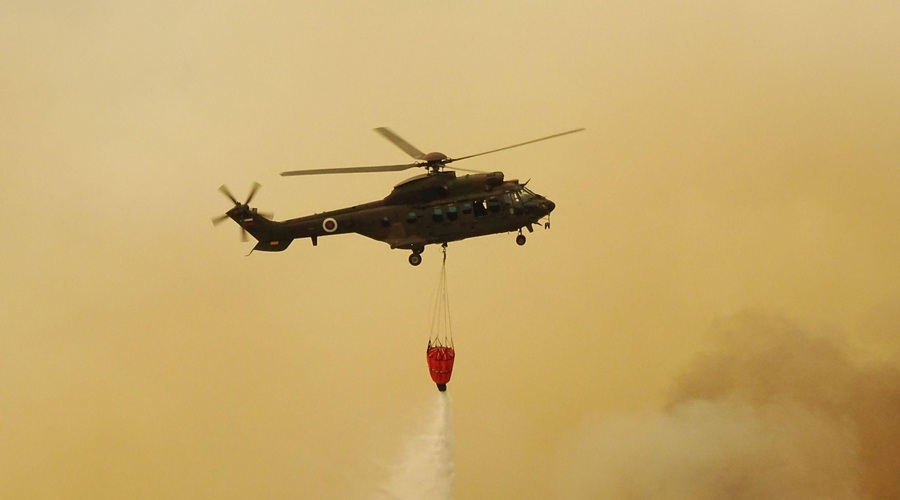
433	208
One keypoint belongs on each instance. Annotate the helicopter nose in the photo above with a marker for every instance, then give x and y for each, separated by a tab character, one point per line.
549	205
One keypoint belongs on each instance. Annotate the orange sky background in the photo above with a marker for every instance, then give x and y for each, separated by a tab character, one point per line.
723	256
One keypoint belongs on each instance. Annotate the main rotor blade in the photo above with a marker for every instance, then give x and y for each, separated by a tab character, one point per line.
516	145
400	143
466	170
352	170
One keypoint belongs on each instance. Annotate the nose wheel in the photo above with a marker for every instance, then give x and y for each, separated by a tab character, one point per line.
520	239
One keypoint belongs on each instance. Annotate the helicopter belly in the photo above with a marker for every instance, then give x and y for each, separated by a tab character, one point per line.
469	227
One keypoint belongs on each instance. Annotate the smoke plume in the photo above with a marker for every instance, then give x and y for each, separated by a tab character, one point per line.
426	470
770	411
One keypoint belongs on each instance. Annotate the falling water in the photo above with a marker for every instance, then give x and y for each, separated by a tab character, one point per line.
426	469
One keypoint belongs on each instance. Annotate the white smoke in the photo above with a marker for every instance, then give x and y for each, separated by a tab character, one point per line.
771	411
426	469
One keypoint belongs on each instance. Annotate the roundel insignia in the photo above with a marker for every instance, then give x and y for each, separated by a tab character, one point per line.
329	225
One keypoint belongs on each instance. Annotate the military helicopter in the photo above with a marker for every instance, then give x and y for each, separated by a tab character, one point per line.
436	207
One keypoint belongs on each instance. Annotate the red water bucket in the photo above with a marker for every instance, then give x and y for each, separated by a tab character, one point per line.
440	365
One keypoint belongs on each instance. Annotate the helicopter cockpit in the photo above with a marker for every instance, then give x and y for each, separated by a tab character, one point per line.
525	194
520	196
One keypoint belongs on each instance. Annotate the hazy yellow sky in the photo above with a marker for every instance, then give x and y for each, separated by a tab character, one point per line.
738	156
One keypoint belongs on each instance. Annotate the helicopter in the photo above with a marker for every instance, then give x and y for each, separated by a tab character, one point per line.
436	207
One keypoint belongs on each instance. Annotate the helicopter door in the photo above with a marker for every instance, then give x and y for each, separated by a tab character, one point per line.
480	211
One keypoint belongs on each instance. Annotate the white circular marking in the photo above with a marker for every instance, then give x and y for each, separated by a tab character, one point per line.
329	225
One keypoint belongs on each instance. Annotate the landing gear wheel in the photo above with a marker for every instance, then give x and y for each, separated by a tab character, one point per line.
520	239
415	258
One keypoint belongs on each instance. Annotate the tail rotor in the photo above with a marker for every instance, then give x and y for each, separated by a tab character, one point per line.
240	211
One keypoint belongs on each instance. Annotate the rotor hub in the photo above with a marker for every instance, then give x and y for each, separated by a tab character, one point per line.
434	157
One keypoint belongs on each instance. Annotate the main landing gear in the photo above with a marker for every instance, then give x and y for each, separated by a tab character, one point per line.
415	258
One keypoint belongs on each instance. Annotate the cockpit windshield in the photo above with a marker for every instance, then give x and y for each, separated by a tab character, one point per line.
525	194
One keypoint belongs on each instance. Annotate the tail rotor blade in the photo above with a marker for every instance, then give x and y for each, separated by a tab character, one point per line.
253	191
227	193
220	219
240	210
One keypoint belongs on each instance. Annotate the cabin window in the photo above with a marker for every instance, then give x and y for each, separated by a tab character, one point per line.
437	215
512	202
494	205
411	217
452	214
467	208
480	211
